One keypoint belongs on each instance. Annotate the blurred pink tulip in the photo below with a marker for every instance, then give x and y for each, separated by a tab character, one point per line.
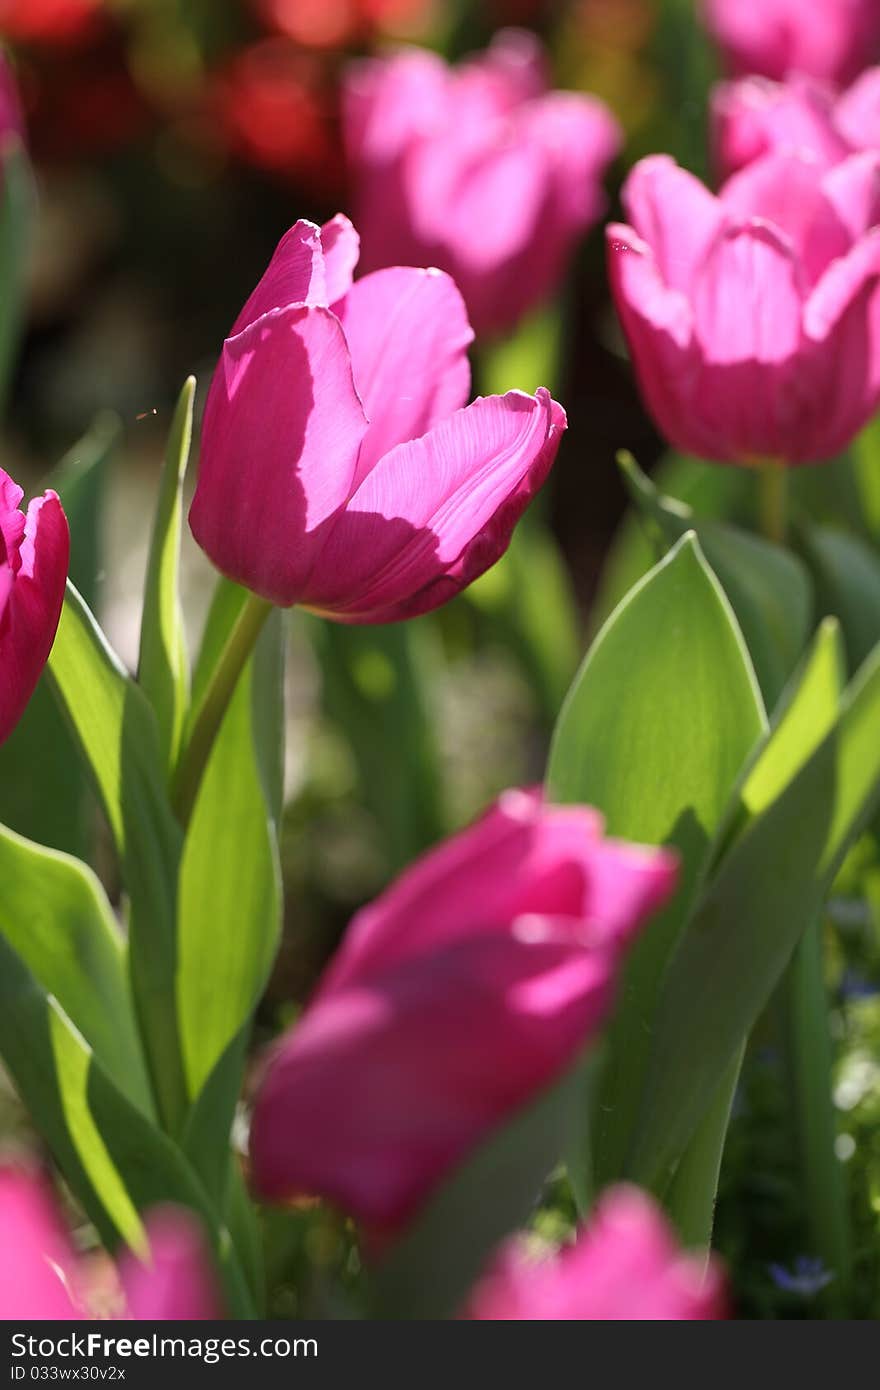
456	997
624	1266
753	318
338	470
34	554
829	39
478	169
41	1278
755	116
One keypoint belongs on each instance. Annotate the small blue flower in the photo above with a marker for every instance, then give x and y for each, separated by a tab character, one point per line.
807	1277
854	985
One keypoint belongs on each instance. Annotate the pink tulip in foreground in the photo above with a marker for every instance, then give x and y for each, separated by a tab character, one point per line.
455	998
34	554
624	1266
479	169
41	1277
830	39
338	469
755	116
753	318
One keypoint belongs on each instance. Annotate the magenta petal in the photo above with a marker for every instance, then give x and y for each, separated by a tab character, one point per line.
36	1262
852	187
408	335
176	1283
437	511
295	275
29	618
341	245
747	299
624	1266
383	1087
754	117
788	191
280	439
674	214
857	113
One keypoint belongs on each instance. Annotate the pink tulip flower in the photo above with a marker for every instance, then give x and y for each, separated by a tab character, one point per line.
752	317
754	117
42	1278
338	469
479	169
34	555
624	1266
462	992
828	39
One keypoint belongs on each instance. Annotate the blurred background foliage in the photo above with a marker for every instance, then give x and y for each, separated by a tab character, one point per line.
173	141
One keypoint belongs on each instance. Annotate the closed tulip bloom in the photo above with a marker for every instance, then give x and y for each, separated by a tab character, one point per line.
754	117
479	169
752	317
456	997
34	554
625	1265
338	469
829	39
42	1278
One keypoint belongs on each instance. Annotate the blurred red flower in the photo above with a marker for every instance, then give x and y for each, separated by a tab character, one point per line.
49	21
334	23
275	109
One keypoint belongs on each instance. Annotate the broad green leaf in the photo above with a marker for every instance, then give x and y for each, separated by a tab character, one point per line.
847	576
117	734
430	1269
43	785
230	892
766	891
690	1200
17	209
163	669
768	588
55	915
376	687
529	601
655	731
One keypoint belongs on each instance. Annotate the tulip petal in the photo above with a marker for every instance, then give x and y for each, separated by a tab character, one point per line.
842	327
282	429
382	1088
853	189
674	214
754	117
36	1262
437	511
295	275
787	190
408	335
857	112
341	245
33	606
176	1284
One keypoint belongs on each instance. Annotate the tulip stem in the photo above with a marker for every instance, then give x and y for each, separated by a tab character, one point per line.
215	702
773	501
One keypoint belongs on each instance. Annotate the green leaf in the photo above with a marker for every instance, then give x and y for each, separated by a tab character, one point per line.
117	734
847	575
163	669
430	1269
55	915
230	892
654	733
43	786
376	684
796	819
768	588
17	209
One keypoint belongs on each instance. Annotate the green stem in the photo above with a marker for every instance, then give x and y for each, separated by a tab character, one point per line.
809	1061
215	702
773	501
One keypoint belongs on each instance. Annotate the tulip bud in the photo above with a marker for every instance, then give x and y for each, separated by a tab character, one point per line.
455	998
34	555
338	470
753	318
829	39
